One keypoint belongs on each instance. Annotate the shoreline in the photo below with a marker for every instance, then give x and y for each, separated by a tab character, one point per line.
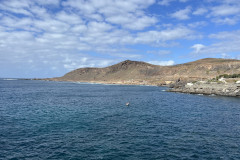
103	82
230	90
144	83
218	89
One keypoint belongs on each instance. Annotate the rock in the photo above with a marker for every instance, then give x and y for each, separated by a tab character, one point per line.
210	89
238	82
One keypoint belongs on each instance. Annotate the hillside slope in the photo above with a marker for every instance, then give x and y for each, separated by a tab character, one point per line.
134	72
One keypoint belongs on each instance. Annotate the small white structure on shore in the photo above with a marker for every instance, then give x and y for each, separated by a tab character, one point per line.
222	80
238	82
189	84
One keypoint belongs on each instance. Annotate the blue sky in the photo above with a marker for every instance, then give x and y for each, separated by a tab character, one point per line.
48	38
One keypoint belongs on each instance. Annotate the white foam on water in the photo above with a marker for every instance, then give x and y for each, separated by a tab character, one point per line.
9	79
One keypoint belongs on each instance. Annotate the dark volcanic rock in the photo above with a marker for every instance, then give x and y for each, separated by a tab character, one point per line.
209	89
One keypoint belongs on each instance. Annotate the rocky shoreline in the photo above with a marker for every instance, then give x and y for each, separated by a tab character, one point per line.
130	82
206	88
229	89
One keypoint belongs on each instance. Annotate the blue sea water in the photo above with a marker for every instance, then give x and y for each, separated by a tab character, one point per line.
61	120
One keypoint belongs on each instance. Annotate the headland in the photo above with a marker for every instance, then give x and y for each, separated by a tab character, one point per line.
177	76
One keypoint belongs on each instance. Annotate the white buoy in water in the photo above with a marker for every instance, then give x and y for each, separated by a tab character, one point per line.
127	104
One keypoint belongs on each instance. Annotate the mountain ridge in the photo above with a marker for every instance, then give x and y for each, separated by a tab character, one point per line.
138	72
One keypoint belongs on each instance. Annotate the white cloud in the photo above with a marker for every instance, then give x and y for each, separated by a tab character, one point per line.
82	5
126	56
99	27
200	11
167	2
48	2
128	14
51	25
69	18
226	56
83	62
226	20
160	52
17	4
221	47
39	35
132	22
164	52
197	48
164	35
228	42
10	23
163	63
77	29
15	10
234	35
182	14
225	10
198	24
39	12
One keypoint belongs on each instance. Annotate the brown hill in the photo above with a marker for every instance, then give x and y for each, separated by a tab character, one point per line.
134	72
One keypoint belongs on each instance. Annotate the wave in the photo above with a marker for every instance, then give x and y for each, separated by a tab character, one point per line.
9	79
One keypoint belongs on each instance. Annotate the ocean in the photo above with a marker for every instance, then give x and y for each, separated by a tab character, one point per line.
63	120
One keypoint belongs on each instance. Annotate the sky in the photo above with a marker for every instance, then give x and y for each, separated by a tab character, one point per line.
48	38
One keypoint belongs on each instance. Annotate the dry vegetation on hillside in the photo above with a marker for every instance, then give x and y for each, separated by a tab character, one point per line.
134	72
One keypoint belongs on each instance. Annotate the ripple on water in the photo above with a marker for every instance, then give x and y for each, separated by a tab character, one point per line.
50	120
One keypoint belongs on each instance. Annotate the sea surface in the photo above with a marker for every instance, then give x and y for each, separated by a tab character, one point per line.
63	120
